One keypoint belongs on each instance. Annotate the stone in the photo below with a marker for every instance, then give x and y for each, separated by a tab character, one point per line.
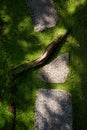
43	14
56	71
53	110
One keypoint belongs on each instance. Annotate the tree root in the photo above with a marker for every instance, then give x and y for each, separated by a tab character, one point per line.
19	69
15	73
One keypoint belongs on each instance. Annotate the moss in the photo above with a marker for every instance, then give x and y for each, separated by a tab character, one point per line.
19	43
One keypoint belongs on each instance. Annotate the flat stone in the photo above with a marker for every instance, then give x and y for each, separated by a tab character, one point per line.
53	110
56	71
43	14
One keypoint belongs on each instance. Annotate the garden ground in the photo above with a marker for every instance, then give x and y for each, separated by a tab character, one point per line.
19	44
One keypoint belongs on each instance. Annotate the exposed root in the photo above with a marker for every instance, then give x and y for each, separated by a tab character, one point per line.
19	69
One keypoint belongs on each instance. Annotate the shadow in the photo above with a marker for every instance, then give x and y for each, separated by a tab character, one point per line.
56	71
26	96
20	125
78	63
80	92
19	41
78	55
43	14
53	110
16	41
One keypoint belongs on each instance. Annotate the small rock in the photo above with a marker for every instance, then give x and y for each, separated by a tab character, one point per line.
56	71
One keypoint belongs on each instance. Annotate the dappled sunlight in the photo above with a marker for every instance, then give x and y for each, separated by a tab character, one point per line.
53	110
72	5
19	44
6	31
5	116
24	44
73	41
5	17
25	24
50	35
24	120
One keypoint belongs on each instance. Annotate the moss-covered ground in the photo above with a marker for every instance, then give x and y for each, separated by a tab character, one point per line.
19	44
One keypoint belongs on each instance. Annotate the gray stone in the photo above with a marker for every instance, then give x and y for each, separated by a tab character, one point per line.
43	14
56	71
53	110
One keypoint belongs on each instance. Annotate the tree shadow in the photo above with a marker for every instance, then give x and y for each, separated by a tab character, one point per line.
80	93
54	115
15	44
16	37
78	62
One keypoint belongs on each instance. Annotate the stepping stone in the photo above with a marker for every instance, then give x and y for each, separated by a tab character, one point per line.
43	14
53	110
56	71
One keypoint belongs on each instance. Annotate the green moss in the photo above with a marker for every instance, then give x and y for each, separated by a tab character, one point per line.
19	44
